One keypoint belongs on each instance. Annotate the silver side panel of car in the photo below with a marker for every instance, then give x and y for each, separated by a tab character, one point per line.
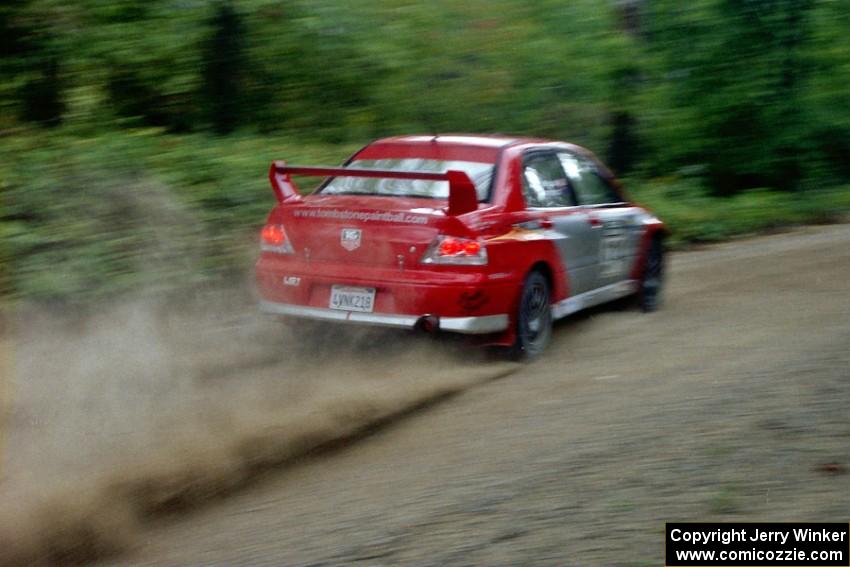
578	246
597	296
621	229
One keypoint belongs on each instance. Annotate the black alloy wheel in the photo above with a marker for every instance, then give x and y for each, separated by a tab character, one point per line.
534	318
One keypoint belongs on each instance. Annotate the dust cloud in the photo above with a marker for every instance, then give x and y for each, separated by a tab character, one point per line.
154	406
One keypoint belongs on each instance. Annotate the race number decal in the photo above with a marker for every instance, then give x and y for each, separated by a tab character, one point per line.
613	253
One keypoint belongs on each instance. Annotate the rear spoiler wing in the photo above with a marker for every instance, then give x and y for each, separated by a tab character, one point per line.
463	197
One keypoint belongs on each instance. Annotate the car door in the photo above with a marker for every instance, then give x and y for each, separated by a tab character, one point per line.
552	202
615	221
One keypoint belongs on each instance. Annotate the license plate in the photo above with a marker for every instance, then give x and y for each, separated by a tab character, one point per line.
347	298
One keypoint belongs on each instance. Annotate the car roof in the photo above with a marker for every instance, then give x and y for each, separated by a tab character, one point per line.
479	140
463	147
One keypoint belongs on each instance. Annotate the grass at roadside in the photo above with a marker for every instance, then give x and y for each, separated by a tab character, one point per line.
90	215
84	214
693	216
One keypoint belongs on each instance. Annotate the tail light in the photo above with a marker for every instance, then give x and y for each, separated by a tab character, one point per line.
273	239
455	250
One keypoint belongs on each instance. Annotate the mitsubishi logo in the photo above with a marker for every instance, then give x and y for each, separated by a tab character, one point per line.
350	238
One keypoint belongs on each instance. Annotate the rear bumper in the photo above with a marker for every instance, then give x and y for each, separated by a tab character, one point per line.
465	300
467	325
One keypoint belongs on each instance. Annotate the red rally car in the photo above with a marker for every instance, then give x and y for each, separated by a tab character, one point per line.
482	235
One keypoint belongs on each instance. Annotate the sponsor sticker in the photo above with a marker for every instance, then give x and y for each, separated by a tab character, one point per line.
350	238
364	216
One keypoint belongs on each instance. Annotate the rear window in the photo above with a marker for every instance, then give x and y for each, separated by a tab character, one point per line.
481	175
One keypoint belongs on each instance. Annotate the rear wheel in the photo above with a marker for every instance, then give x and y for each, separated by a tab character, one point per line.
652	280
534	318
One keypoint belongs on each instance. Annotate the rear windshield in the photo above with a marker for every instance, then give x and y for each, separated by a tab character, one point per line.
480	173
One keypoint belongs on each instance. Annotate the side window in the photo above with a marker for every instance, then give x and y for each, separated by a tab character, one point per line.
589	187
544	183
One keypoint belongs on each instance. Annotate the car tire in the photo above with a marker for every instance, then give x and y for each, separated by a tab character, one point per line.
652	278
533	318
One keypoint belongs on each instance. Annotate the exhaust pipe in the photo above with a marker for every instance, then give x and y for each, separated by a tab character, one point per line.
429	324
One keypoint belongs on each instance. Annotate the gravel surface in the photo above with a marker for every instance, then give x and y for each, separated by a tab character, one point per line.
728	404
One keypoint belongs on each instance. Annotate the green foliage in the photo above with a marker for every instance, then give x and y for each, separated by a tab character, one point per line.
750	93
733	90
693	215
117	112
134	210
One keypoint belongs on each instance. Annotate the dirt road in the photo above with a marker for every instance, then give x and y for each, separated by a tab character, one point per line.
725	405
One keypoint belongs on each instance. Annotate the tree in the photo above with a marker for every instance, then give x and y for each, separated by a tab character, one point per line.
30	65
224	63
731	83
42	94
